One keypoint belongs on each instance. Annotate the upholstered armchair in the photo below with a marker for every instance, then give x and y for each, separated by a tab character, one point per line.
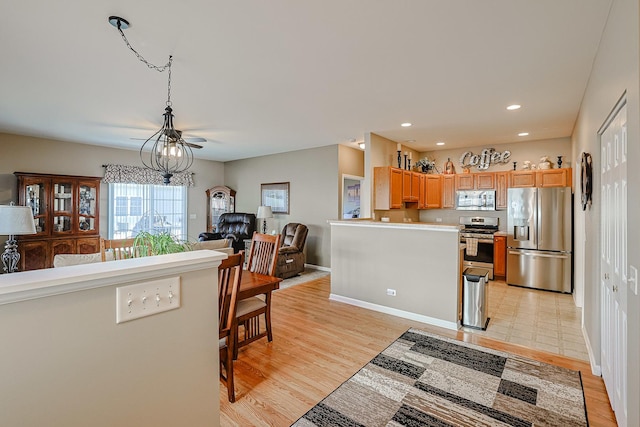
290	255
234	226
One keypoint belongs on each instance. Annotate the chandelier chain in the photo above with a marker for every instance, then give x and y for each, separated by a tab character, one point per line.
160	69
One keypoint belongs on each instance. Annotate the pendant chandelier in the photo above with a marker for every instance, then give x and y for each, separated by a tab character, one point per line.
165	151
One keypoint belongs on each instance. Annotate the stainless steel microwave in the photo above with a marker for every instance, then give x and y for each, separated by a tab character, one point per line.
476	200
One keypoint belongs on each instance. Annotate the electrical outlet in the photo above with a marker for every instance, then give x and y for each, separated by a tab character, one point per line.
438	219
633	279
391	292
145	299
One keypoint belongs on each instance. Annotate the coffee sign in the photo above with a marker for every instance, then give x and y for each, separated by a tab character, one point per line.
483	160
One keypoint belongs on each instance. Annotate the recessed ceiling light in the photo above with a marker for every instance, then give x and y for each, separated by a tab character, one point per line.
361	145
406	125
514	107
409	140
523	134
439	143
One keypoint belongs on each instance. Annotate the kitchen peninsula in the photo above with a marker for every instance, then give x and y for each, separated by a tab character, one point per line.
410	270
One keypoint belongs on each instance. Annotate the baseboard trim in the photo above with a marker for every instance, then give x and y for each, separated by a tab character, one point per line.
395	312
317	267
595	368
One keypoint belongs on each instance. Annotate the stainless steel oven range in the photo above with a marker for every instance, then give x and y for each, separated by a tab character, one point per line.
477	234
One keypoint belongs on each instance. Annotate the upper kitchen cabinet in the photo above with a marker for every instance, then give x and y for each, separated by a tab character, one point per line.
524	178
433	191
475	181
448	191
541	178
387	183
485	180
554	178
66	214
502	183
430	191
464	181
410	186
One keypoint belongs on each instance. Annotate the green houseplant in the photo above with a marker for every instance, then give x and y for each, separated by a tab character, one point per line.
159	243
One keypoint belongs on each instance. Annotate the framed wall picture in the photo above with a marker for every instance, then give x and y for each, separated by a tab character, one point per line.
275	195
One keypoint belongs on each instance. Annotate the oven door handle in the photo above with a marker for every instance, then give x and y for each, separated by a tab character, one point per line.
489	241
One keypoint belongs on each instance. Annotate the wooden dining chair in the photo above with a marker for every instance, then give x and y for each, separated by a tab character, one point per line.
262	259
229	276
122	249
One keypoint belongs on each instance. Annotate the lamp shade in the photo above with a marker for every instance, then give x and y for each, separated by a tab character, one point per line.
264	212
16	220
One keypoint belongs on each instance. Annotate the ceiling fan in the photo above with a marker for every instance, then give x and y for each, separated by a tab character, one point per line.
190	141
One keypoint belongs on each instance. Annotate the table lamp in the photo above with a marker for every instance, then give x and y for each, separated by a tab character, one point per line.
264	212
14	220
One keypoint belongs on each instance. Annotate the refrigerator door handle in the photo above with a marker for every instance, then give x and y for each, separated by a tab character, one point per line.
539	254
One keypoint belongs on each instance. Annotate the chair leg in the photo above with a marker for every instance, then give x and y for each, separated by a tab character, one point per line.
231	392
267	317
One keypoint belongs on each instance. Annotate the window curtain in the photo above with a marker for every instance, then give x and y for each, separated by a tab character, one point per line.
122	174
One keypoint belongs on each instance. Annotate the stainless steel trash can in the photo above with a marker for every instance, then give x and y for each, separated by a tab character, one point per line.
475	304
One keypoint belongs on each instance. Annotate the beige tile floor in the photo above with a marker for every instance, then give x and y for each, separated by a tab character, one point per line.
543	320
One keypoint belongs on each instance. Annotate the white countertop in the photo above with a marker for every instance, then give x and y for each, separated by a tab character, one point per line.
435	226
52	281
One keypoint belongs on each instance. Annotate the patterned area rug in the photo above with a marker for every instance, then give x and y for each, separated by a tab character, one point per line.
426	380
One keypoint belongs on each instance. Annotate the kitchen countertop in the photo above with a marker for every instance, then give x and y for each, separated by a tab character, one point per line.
435	226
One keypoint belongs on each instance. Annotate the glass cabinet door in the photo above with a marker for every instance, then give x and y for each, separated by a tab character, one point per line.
220	199
62	206
35	196
87	218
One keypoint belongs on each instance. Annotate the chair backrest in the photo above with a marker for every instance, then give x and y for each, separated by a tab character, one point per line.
294	234
263	253
123	249
229	276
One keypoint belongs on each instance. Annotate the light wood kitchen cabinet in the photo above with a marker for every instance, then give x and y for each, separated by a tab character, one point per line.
464	181
410	186
525	178
502	181
422	200
66	214
500	256
433	191
387	183
475	181
554	178
484	180
448	191
541	178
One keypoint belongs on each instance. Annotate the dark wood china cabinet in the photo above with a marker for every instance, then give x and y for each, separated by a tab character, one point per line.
66	213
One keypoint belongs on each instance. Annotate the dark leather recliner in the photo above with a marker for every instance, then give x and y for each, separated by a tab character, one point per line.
234	226
290	255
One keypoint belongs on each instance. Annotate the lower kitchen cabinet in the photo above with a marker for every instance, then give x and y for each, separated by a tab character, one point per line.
39	254
500	256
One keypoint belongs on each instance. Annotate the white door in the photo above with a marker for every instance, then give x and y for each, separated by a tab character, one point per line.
613	261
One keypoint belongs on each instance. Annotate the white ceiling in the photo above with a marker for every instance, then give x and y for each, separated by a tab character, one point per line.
256	77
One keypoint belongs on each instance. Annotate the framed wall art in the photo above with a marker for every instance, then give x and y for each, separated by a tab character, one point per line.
275	195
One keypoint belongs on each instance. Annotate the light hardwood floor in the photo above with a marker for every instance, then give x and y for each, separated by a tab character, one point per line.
318	344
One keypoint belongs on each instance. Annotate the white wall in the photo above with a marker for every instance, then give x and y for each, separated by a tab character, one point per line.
313	195
66	363
615	71
27	154
520	151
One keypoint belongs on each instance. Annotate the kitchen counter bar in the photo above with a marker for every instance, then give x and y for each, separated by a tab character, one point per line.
419	262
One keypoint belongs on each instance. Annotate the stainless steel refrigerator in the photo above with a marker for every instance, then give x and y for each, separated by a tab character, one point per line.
539	238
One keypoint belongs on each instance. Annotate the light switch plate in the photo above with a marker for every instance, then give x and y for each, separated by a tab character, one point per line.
147	298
